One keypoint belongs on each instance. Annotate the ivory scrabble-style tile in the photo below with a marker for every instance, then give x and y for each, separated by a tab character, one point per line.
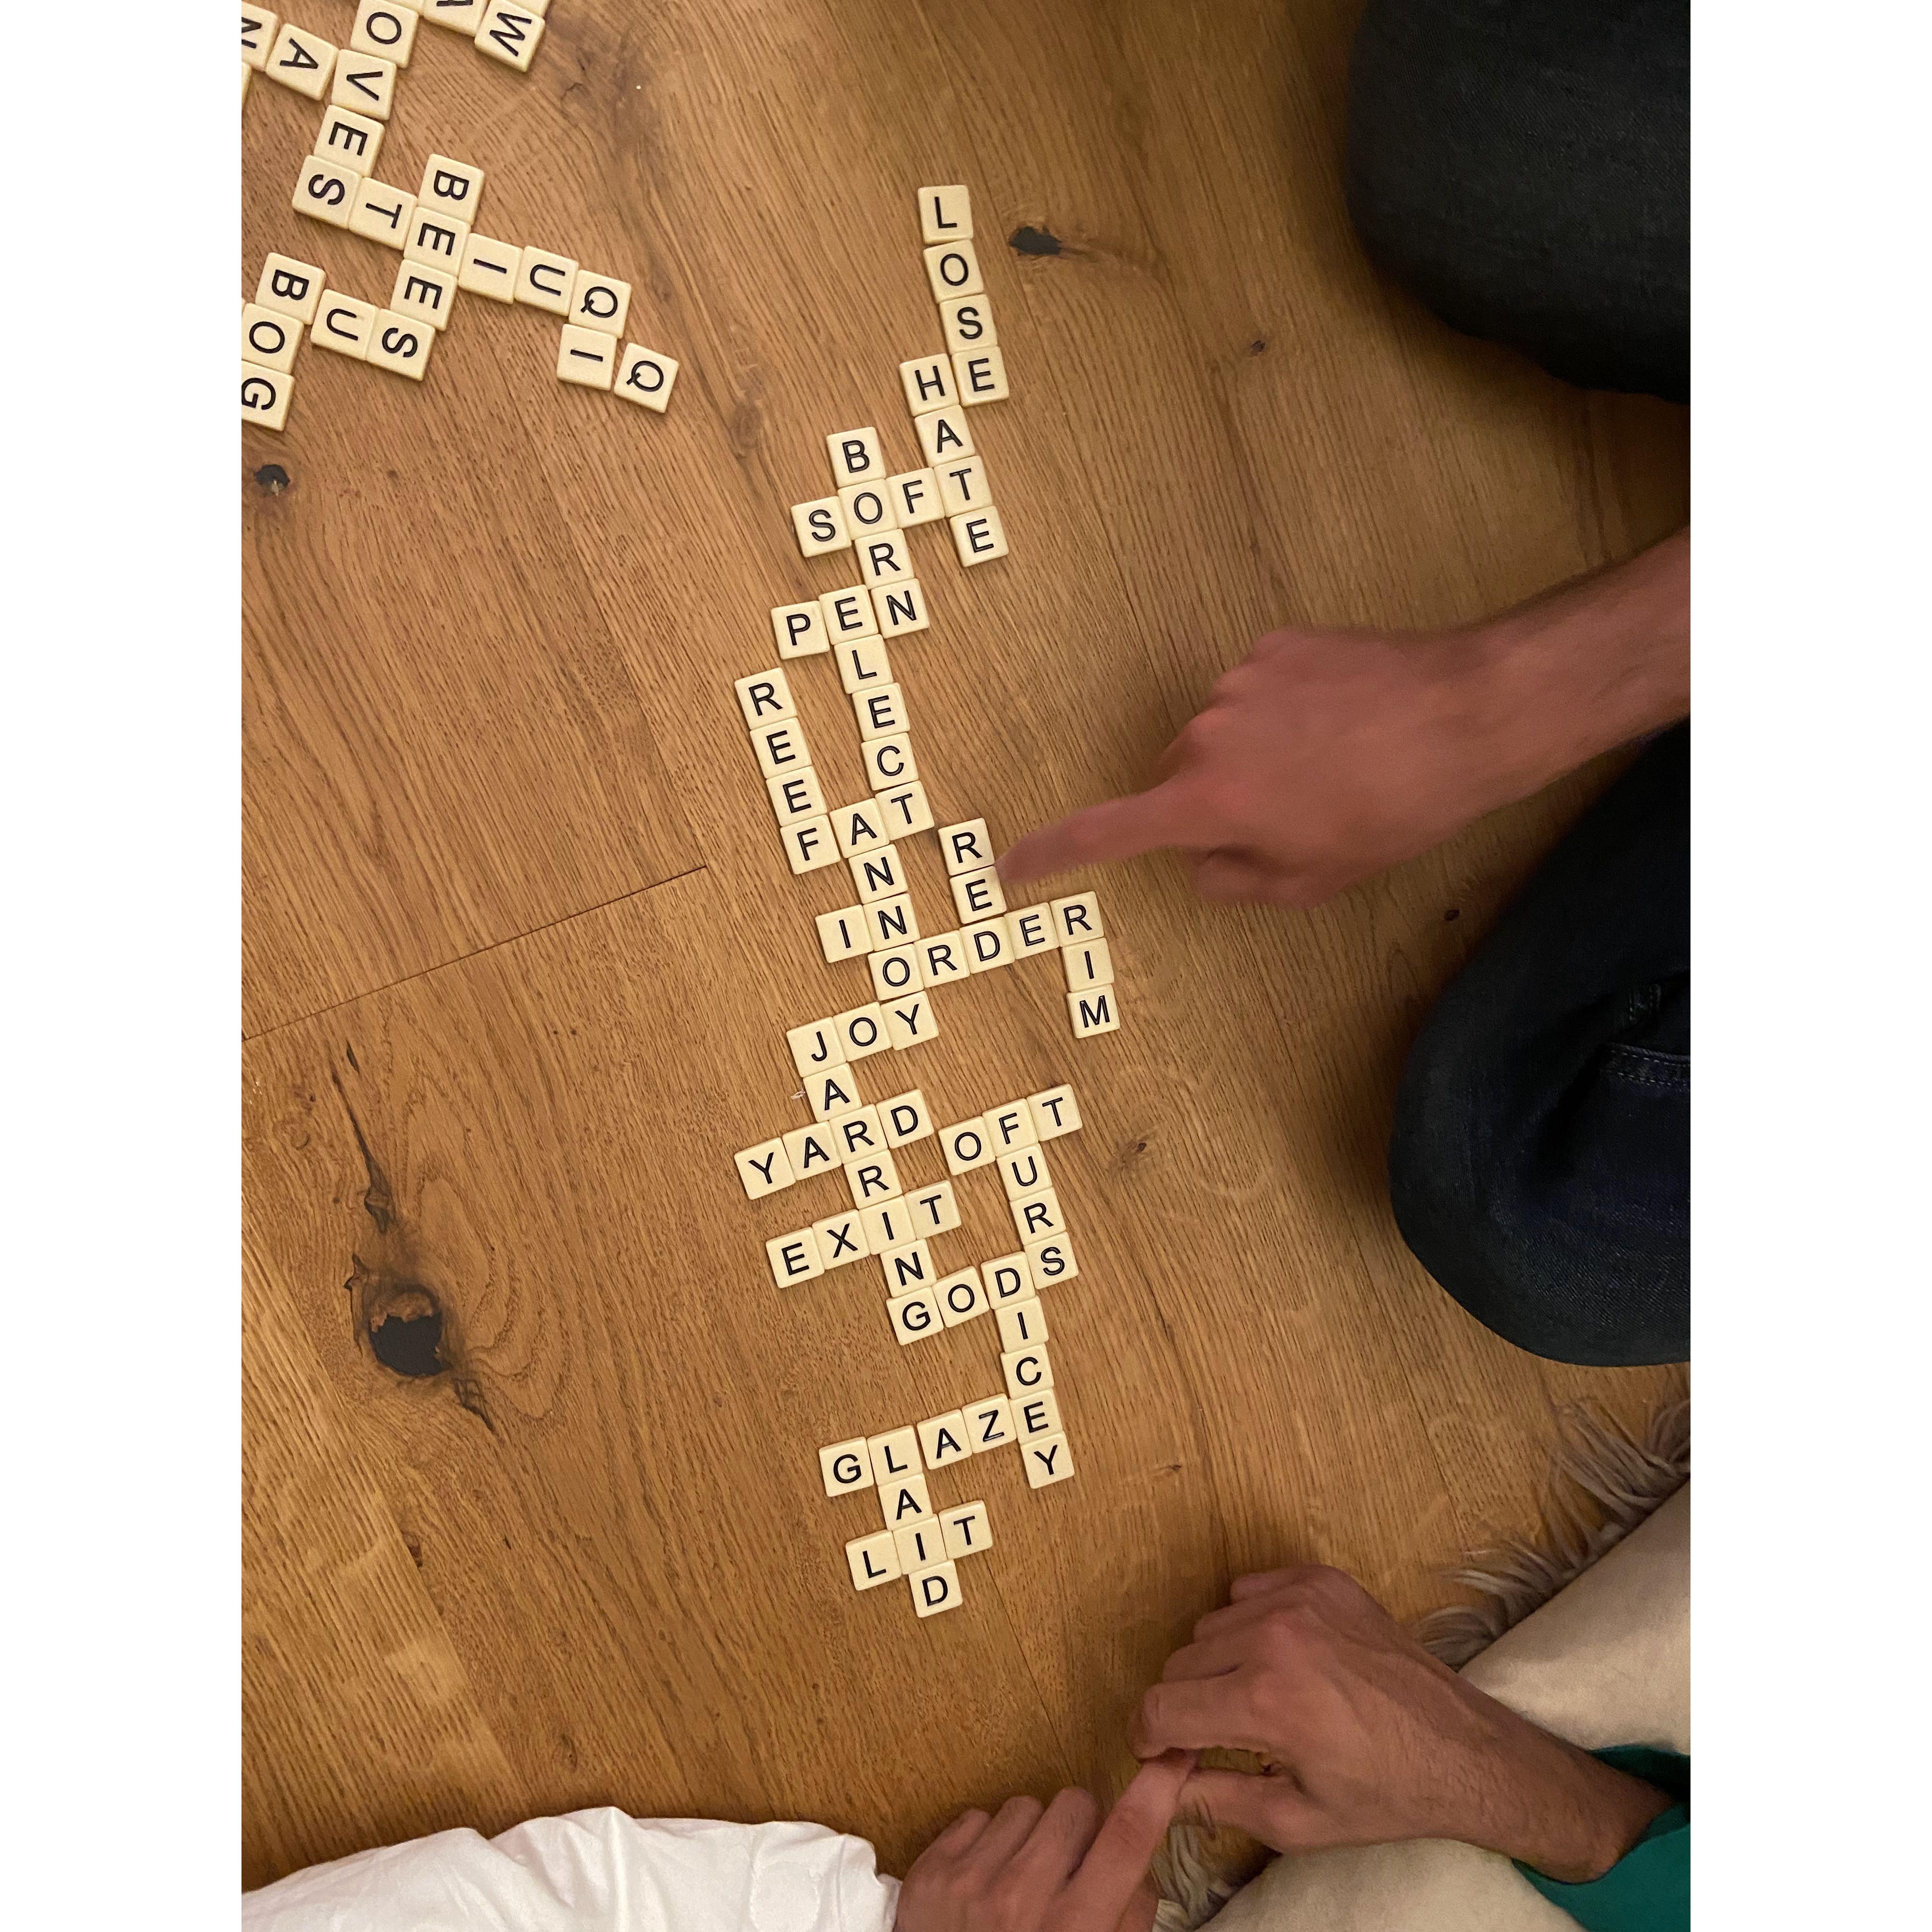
1031	928
400	345
811	1150
1055	1112
815	1048
345	325
910	1021
861	1032
1039	1415
840	1239
896	971
883	558
953	269
270	341
645	377
423	293
764	698
861	661
800	630
906	809
989	945
977	895
1008	1279
928	382
830	1091
437	239
820	526
1024	1172
1021	1324
881	714
451	188
1051	1260
981	374
381	213
848	614
860	1133
978	536
890	923
1026	1370
289	287
264	395
599	301
351	139
384	27
365	82
510	34
902	1498
781	748
1094	1011
945	214
1037	1216
248	81
588	356
901	608
1011	1128
966	847
914	1316
867	508
960	1297
962	483
878	875
794	1257
545	280
921	1544
966	1529
460	16
965	1146
914	496
908	1270
303	62
873	1560
258	34
859	828
845	1466
942	958
843	934
887	1225
942	1439
1089	965
989	1422
943	434
856	457
967	324
904	1119
894	1455
809	845
1047	1460
935	1590
1077	917
934	1210
325	191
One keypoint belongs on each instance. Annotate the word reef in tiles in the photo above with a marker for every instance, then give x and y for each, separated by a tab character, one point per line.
444	254
871	512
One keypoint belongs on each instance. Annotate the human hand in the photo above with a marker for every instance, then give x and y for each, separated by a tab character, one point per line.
1059	1869
1328	755
1369	1740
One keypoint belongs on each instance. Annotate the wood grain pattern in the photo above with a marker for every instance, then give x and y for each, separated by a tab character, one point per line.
522	946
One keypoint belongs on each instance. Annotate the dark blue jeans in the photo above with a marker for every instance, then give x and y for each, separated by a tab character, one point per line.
1523	166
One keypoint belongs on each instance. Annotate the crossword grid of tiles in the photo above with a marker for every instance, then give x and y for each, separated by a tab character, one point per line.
433	229
871	512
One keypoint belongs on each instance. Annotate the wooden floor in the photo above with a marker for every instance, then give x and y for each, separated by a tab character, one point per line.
521	948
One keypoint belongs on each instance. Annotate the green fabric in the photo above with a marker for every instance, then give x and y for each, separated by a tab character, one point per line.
1649	1888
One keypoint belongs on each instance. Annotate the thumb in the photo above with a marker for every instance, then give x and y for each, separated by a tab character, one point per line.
1120	829
1271	1808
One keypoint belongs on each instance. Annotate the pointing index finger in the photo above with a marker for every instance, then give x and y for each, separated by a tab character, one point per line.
1116	1861
1122	828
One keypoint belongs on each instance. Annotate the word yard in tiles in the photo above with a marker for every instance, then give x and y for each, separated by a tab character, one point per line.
441	251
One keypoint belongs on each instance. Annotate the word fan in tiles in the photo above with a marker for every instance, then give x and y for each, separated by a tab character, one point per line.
436	230
855	1161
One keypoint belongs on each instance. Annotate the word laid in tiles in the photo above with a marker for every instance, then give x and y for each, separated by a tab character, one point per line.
443	253
872	1210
